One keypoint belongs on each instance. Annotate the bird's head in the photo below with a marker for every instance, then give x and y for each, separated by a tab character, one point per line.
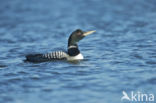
77	35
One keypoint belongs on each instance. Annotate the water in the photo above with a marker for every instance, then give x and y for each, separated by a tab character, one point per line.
120	56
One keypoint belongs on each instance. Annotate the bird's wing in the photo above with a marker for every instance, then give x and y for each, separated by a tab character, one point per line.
57	55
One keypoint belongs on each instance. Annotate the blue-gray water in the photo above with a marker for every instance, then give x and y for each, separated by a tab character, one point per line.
120	56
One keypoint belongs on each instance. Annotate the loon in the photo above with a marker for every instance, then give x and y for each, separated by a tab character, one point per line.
73	52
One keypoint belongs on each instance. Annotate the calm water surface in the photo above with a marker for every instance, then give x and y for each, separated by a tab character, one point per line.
120	56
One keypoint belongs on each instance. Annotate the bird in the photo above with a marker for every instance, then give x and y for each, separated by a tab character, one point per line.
72	53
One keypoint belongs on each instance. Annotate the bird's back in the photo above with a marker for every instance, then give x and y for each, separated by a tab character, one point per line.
57	55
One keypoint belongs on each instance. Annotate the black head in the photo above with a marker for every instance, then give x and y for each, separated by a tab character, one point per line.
77	35
74	38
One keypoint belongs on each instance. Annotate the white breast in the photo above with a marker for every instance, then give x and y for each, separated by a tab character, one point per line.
77	57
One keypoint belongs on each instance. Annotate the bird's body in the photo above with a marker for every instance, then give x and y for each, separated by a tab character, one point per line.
57	55
77	57
72	54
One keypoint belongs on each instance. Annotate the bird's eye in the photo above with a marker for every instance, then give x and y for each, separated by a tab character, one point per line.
79	33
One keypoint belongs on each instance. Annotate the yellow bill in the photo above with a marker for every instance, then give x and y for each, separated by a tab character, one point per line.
88	32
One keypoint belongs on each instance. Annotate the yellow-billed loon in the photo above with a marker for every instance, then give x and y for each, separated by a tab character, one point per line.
73	52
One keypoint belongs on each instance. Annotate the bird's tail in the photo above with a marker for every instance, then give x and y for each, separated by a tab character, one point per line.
57	55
